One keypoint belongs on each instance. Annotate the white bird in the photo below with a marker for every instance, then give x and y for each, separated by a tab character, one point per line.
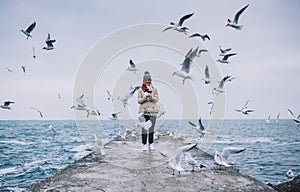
185	69
234	23
9	70
92	112
6	105
175	161
79	104
211	107
290	174
40	113
99	145
29	30
132	66
244	110
143	123
201	51
277	118
220	88
203	37
178	27
23	68
295	119
190	160
114	116
268	121
109	96
221	159
123	136
128	95
206	78
49	43
52	128
225	58
199	128
223	51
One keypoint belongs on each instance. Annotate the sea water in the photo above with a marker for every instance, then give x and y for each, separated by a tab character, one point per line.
30	151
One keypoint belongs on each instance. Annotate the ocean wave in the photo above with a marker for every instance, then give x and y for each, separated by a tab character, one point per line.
17	142
7	170
246	140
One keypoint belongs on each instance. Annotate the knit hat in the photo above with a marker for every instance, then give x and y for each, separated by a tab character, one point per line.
147	76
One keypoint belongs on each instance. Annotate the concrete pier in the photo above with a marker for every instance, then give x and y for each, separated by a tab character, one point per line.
125	167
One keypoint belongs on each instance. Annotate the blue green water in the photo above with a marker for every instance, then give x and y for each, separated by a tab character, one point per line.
30	151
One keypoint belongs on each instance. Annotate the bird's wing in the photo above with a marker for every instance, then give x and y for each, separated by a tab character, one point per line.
31	27
186	65
167	28
206	36
291	112
201	125
7	103
182	19
206	72
227	151
80	101
195	35
228	55
237	15
188	53
192	124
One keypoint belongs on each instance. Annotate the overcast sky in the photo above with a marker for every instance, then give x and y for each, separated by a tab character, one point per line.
266	67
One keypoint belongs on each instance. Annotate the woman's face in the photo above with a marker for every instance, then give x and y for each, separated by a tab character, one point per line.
147	82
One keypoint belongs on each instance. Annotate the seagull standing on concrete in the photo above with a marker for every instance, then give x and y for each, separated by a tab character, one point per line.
178	27
29	30
234	23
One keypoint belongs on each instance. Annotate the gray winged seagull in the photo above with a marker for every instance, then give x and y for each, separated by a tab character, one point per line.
296	119
132	66
178	27
49	43
199	128
29	30
225	58
37	110
6	105
224	51
221	159
220	88
203	37
234	23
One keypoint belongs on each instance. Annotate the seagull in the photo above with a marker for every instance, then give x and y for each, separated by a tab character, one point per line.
225	57
6	105
49	43
220	88
268	121
79	105
211	107
40	113
191	161
131	66
206	78
221	159
199	128
114	116
234	23
29	30
99	145
175	161
277	118
52	128
201	51
125	100
143	123
244	110
23	68
290	174
92	112
33	52
9	70
178	27
295	119
109	96
203	37
185	69
223	51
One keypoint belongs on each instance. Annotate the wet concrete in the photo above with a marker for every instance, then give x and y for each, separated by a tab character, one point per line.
125	167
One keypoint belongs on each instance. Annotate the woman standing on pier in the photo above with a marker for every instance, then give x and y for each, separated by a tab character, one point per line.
147	100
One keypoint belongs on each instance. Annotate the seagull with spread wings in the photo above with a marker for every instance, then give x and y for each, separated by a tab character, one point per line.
178	27
234	23
40	113
29	29
6	105
49	43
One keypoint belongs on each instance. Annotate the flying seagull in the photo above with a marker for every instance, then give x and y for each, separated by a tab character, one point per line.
220	88
33	52
296	119
79	104
244	110
223	51
185	69
6	105
40	113
52	128
126	98
221	159
131	66
225	58
199	128
23	68
203	37
49	43
9	70
178	27
114	116
234	23
29	30
206	78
